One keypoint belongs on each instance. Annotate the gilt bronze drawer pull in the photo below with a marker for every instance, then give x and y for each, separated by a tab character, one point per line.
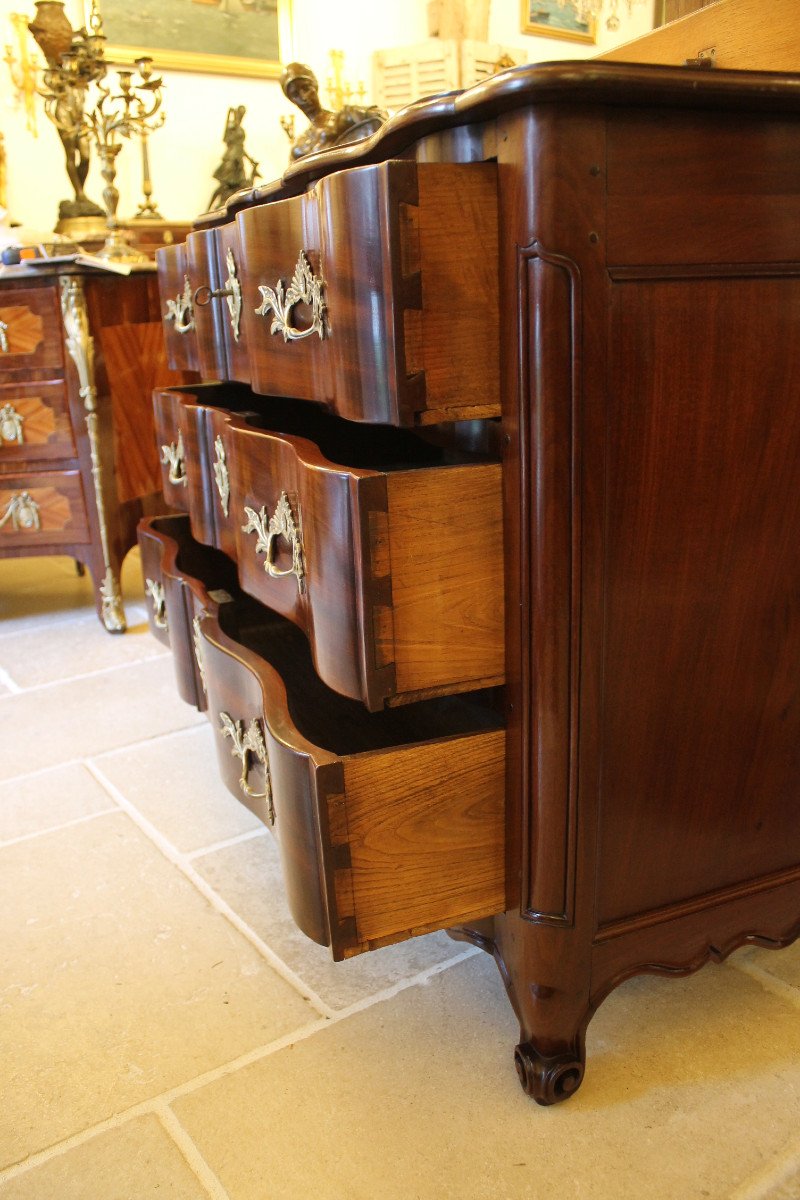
221	474
11	425
197	637
173	456
155	590
180	310
232	291
246	742
22	511
3	338
305	288
283	524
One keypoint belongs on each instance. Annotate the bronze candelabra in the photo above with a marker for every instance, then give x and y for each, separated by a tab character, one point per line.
89	110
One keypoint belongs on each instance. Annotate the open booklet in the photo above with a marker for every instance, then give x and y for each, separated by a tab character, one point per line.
88	260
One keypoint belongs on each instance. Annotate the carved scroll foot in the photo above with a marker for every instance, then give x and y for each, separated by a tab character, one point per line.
549	1079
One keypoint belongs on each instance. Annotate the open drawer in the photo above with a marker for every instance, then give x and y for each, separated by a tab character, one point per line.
175	568
389	824
386	549
376	293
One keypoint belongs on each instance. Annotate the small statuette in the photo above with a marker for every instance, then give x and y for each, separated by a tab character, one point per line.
221	474
283	524
246	742
154	588
11	425
305	288
172	456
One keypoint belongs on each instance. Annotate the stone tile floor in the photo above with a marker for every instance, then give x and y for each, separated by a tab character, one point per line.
166	1031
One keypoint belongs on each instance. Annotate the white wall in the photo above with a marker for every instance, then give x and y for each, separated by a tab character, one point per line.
184	153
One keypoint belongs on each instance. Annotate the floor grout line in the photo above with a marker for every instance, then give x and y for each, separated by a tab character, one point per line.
249	836
190	1152
151	740
215	900
158	1104
152	1105
29	837
54	683
771	983
7	681
779	1170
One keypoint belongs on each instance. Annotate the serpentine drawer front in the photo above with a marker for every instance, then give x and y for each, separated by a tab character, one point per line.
375	293
389	824
177	293
173	567
393	569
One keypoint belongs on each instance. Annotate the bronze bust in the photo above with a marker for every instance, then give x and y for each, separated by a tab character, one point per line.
348	124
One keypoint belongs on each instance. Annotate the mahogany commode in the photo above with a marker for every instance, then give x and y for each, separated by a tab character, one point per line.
80	352
488	574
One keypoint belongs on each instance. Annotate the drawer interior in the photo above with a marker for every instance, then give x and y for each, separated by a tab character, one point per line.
336	723
347	444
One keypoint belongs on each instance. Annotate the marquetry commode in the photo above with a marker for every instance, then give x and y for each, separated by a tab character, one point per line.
80	353
482	556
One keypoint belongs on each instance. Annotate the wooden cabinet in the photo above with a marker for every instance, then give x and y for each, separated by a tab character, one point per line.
606	781
80	352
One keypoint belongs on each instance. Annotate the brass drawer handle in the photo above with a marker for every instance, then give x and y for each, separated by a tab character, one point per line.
3	338
221	474
11	425
246	742
282	523
22	511
180	310
232	291
305	288
197	637
173	456
155	590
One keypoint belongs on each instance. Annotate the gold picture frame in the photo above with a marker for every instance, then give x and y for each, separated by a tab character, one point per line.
548	18
198	60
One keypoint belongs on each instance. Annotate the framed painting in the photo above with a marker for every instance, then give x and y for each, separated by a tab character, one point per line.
217	37
548	18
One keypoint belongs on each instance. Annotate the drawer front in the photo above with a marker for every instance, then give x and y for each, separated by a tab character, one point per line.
166	624
34	423
42	509
396	577
226	513
176	290
30	329
173	568
231	302
378	843
167	406
376	293
210	312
